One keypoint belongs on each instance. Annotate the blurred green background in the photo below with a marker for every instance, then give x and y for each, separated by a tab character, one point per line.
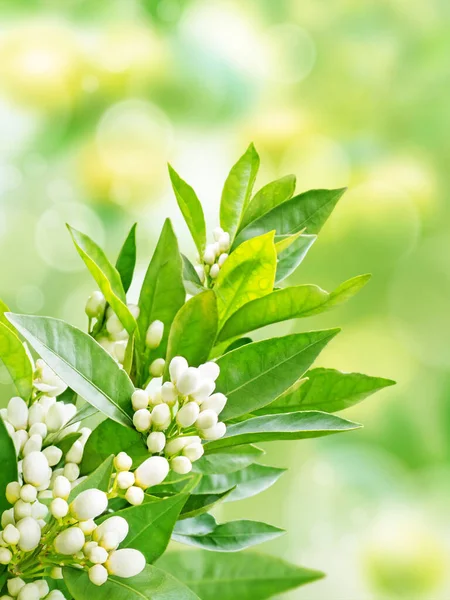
96	97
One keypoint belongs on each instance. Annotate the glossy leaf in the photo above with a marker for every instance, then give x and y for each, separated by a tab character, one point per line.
328	390
194	330
228	460
152	584
291	256
126	261
247	274
161	297
191	208
16	361
81	363
192	282
198	504
229	537
246	576
269	196
256	374
287	426
106	275
99	479
237	191
246	483
8	472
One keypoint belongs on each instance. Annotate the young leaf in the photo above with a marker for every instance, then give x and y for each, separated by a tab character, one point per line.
268	197
106	275
152	584
237	191
246	483
328	390
198	504
194	330
8	472
291	256
99	479
126	261
15	358
256	374
309	210
161	297
247	576
230	537
81	363
288	426
247	274
228	460
191	208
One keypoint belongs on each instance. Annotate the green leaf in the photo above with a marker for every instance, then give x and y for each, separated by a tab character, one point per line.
194	330
291	256
247	274
8	471
309	210
99	479
83	413
152	584
197	504
246	576
81	363
3	319
111	438
228	460
256	374
192	282
151	525
228	537
246	483
161	297
15	358
288	426
191	208
237	191
106	275
268	197
126	261
328	390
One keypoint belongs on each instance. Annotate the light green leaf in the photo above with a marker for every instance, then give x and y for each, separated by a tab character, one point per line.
309	210
288	426
237	191
194	330
197	504
246	576
228	537
3	319
256	374
99	479
228	460
328	390
291	256
15	358
106	275
246	483
81	363
126	261
152	584
161	297
247	274
191	208
192	282
268	197
8	472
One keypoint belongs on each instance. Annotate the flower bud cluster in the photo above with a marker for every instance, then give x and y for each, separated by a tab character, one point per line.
37	589
214	255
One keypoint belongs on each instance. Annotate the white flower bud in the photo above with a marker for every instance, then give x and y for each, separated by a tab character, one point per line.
8	517
156	442
33	444
117	525
157	367
20	438
161	416
11	535
21	510
71	471
15	585
10	429
187	415
43	587
139	399
18	413
95	306
28	493
120	350
75	454
204	390
214	271
216	402
206	419
98	575
89	505
193	452
176	445
53	454
200	272
56	594
188	381
5	556
154	395
126	563
110	541
87	527
113	325
154	334
107	344
30	591
135	495
224	242
181	465
61	487
85	434
222	258
215	432
209	370
70	541
59	508
39	511
123	462
217	233
142	419
151	472
169	393
30	534
177	366
56	573
125	480
209	256
98	555
13	492
56	417
36	414
38	429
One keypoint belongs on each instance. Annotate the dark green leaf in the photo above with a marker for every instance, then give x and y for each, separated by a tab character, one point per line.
200	525
227	460
192	282
8	471
68	396
99	479
15	358
126	261
290	257
268	197
198	504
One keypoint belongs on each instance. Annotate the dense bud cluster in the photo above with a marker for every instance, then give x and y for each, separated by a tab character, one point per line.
214	255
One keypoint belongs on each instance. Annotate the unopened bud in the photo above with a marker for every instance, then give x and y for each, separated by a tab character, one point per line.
188	381
206	419
11	535
18	413
169	393
139	399
30	534
224	242
181	465
125	480
214	271
13	492
157	367
222	258
61	487
177	366
215	433
204	390
89	505
98	575
98	555
117	525
59	508
135	495
75	454
87	527
69	541
5	556
193	452
28	493
126	563
15	585
200	272
216	402
35	468
161	416
123	462
95	306
209	370
53	454
151	472
187	415
142	420
209	256
71	471
176	445
156	442
154	334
